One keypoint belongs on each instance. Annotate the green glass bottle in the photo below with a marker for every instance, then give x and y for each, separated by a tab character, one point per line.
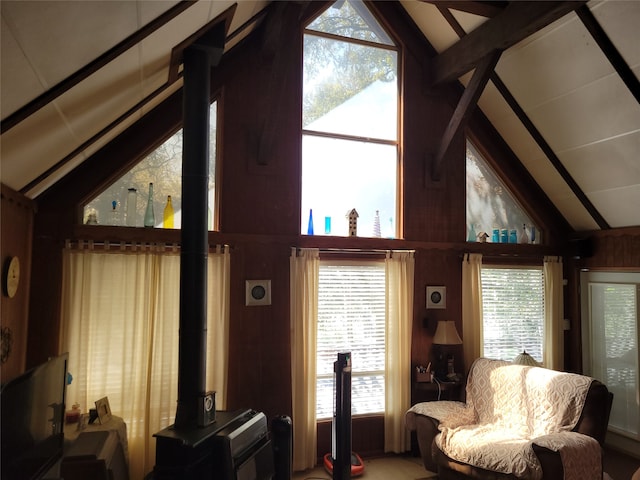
149	216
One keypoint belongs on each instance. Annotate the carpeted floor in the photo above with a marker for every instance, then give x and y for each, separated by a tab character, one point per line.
406	467
396	467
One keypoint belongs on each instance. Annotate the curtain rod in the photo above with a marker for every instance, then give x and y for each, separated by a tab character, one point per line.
357	251
127	245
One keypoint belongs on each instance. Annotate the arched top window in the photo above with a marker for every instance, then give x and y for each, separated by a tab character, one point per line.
350	124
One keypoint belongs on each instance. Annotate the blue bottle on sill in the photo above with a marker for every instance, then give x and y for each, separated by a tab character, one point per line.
310	225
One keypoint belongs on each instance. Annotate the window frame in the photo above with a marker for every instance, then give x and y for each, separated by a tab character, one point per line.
357	262
542	326
81	206
398	227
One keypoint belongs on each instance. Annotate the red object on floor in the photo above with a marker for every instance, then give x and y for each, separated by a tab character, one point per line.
357	465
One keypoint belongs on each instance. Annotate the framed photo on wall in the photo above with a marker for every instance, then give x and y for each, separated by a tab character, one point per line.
437	297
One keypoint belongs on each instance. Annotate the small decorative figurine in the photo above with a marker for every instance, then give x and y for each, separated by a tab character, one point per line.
482	237
352	215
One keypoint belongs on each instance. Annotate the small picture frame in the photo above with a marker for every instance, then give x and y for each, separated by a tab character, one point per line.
437	297
103	409
257	292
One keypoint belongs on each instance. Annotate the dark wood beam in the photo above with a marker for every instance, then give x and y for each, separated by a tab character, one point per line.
89	69
465	107
610	51
518	21
484	9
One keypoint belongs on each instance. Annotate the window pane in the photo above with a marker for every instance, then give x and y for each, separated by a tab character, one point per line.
338	175
162	167
491	206
513	312
351	317
613	313
350	89
351	19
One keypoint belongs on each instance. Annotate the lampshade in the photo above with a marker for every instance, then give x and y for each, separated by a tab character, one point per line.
525	359
446	334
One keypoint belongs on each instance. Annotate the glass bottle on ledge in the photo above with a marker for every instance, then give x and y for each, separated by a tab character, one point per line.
149	215
132	202
167	216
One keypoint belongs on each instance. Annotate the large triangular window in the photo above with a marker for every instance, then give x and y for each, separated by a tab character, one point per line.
491	208
124	202
350	124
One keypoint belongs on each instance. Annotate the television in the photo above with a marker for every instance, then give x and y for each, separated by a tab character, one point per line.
32	411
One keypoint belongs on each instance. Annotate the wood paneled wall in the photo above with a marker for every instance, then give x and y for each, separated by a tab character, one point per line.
15	241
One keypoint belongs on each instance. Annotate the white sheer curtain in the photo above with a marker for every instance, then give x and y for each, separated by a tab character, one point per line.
472	308
304	272
120	322
553	355
399	268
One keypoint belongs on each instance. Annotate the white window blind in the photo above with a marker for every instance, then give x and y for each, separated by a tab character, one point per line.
610	327
351	317
513	311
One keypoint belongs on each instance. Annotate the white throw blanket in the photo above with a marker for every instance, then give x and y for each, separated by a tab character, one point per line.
510	407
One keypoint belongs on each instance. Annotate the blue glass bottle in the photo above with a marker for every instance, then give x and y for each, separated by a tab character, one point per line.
310	225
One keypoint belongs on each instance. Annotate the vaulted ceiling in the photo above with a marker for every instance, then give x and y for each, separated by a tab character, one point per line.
559	82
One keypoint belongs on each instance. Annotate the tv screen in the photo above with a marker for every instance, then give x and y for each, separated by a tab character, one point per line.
32	410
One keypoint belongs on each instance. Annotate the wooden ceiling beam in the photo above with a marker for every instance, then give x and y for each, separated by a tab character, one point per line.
465	107
484	9
518	21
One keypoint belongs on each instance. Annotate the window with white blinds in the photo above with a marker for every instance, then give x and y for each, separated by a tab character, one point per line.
351	317
513	311
610	312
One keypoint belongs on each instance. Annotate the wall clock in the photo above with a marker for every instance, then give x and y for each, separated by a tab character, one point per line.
11	277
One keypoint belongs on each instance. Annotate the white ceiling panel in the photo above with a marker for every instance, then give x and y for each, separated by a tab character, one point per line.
619	206
19	82
575	213
36	146
103	96
61	37
431	23
618	18
591	164
600	110
561	60
149	10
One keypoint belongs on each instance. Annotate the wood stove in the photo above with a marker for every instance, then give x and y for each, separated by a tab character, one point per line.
203	443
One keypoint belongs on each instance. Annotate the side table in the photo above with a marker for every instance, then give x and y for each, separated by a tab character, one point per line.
437	390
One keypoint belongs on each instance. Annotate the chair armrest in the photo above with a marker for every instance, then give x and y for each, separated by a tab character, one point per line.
424	418
580	455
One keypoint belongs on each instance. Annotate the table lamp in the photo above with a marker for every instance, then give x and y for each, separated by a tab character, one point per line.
446	334
525	359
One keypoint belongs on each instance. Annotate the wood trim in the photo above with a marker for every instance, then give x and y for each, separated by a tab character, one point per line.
178	51
465	107
484	9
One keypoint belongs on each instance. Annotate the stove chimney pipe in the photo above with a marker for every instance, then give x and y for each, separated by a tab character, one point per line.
198	60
